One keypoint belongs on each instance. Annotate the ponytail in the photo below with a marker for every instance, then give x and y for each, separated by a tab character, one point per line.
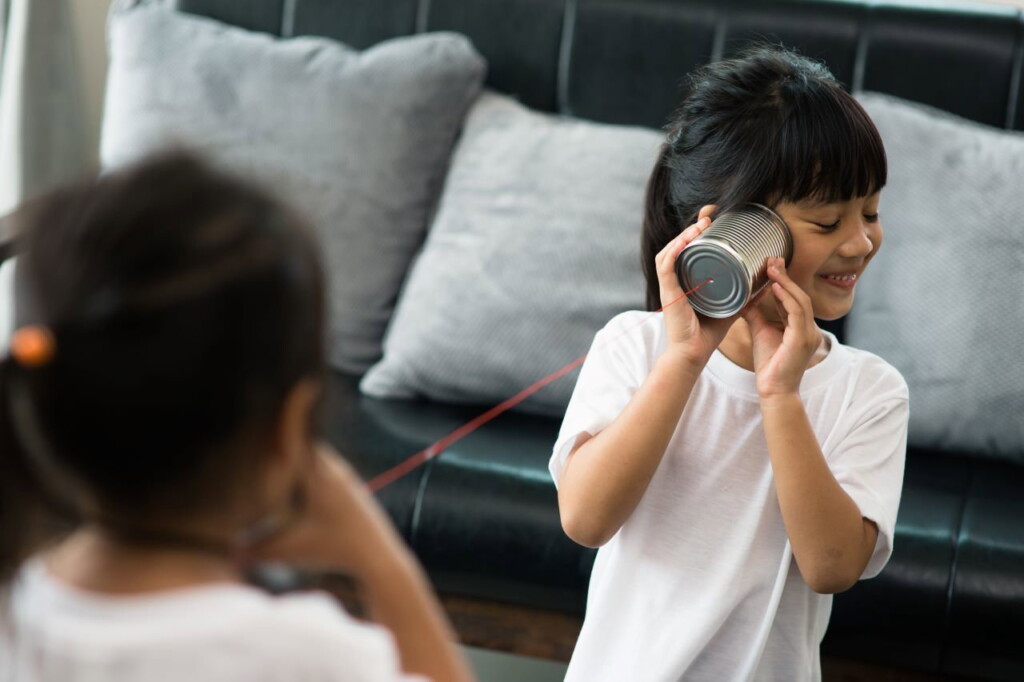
661	223
21	506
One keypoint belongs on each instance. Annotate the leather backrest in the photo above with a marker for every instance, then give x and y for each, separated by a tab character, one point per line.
623	61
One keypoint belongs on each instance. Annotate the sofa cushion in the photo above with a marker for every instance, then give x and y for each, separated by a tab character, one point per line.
357	141
483	515
987	609
488	525
535	246
901	617
942	301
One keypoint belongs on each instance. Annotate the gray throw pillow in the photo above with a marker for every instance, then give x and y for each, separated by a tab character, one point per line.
357	141
944	299
534	248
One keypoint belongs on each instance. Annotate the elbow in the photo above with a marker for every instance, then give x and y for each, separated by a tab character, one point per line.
831	584
831	577
583	529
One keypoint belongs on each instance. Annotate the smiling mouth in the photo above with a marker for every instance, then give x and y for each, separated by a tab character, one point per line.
842	281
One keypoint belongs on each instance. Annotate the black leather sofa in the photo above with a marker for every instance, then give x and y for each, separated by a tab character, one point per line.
483	517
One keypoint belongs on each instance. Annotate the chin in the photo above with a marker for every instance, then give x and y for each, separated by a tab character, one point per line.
827	306
832	312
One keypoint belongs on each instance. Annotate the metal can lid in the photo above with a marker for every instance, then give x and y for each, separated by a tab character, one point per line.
727	292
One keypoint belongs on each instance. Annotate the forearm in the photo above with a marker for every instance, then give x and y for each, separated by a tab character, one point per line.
607	475
399	597
831	541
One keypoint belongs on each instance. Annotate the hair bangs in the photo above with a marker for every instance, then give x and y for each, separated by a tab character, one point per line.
829	151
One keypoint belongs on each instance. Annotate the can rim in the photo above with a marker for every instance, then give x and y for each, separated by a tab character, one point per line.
697	301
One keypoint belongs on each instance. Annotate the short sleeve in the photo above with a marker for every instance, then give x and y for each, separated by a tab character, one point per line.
869	462
616	366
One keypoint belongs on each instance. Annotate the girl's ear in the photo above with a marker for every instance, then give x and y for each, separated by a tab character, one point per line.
707	211
294	437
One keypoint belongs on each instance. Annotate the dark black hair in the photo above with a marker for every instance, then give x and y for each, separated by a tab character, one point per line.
767	126
185	305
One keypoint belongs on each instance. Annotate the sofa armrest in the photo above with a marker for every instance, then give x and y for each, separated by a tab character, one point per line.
7	237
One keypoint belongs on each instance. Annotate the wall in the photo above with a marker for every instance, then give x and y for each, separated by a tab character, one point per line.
90	27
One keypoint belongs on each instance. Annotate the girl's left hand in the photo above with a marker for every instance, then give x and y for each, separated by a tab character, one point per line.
781	356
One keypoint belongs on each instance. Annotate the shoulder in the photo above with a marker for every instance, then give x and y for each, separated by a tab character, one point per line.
311	616
225	632
313	633
636	331
876	375
627	346
629	320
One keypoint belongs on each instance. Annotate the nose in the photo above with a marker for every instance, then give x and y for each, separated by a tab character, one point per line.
862	241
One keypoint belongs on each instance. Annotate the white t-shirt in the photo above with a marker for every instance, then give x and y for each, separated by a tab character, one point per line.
223	633
700	582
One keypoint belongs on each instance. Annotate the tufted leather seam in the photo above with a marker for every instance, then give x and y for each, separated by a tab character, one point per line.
1016	73
422	15
565	58
718	39
288	18
950	588
860	59
417	505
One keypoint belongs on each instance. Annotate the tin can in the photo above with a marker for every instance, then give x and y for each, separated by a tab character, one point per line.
732	253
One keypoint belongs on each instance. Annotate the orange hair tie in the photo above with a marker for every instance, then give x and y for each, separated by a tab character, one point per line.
33	346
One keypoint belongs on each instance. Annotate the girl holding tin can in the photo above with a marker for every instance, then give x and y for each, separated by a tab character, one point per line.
738	471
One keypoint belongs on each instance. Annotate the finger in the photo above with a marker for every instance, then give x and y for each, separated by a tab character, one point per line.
668	252
667	279
758	297
754	316
684	238
777	273
665	261
797	318
791	308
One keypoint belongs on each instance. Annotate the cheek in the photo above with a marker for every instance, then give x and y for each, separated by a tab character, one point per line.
876	238
803	268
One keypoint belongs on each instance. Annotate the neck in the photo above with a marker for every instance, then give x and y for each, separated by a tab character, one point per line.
93	559
738	345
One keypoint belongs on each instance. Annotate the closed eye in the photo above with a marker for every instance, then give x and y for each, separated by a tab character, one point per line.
828	228
871	217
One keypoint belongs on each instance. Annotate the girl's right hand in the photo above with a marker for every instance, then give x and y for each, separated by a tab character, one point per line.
696	337
338	526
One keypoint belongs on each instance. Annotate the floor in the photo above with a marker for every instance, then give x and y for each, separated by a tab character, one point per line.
492	666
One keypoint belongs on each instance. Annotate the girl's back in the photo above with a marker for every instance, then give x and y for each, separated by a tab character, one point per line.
224	632
158	411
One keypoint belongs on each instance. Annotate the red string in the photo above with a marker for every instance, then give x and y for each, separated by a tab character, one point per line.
428	453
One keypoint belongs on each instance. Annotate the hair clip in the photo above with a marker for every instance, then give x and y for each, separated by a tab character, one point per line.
33	346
